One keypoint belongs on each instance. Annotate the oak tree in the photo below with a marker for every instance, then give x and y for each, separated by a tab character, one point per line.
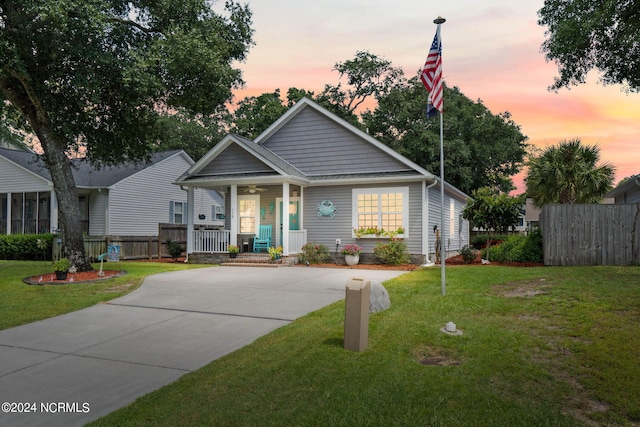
94	76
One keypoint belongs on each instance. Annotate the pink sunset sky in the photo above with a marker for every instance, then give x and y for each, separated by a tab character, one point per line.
491	51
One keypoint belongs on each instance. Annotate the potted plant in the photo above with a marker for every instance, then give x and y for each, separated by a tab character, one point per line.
233	251
275	253
351	253
61	268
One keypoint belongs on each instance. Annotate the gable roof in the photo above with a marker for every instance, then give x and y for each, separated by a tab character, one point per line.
342	134
85	175
308	145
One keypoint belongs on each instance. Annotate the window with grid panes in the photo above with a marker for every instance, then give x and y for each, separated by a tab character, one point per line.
382	208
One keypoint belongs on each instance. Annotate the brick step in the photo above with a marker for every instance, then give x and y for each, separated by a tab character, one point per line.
250	264
248	259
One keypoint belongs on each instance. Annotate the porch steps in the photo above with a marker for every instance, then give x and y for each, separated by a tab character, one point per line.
252	259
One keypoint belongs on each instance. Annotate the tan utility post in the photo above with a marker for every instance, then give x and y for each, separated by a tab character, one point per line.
356	318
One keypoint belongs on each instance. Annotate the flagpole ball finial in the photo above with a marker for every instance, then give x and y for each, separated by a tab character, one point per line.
439	20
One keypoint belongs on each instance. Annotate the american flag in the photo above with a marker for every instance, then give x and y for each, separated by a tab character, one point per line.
431	74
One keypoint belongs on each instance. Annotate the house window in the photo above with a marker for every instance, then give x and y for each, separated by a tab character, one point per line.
248	209
381	208
177	212
215	211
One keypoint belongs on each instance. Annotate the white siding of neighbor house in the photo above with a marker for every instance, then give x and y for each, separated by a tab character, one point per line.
98	202
140	202
326	230
15	179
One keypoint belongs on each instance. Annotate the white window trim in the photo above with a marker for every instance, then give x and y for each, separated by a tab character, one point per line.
255	197
172	212
215	210
380	190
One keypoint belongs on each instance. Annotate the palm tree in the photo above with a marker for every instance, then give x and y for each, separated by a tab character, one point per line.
568	173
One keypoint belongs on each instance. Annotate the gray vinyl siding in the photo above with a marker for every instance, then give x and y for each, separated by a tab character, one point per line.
234	159
319	146
460	236
14	179
326	230
138	203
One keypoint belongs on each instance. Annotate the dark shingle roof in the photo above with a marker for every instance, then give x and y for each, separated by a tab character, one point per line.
84	174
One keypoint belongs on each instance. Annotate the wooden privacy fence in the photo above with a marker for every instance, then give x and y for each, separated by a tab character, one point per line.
591	234
132	247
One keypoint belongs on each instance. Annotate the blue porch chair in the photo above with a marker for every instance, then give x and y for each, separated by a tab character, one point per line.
263	239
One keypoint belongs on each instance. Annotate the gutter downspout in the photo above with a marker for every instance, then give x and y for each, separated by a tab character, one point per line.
425	226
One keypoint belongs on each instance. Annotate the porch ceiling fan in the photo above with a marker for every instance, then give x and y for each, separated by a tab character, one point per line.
253	188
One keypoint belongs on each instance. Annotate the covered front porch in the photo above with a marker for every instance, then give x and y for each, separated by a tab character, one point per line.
249	205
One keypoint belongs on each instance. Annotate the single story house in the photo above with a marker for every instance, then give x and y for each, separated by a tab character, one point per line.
126	200
627	192
313	177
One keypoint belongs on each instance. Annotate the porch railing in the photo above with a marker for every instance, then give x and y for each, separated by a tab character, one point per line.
211	241
297	239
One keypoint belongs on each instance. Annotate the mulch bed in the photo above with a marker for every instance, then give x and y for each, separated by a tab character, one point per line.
84	277
457	260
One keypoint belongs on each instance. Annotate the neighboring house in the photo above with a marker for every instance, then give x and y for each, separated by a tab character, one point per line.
125	200
531	214
627	192
332	179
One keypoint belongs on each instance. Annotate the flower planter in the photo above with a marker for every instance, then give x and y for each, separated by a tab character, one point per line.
61	275
352	259
233	254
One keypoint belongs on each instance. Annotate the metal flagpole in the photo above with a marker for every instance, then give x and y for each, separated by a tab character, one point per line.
439	21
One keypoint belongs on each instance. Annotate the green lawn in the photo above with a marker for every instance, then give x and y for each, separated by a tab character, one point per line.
541	347
21	303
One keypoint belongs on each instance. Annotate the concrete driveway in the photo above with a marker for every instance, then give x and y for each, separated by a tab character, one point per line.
75	368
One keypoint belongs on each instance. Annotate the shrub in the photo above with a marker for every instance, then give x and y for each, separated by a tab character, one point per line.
27	247
394	252
479	241
468	254
314	253
275	253
175	249
518	248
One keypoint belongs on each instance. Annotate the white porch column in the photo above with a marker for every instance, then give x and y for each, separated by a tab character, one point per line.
190	210
285	218
9	201
425	220
54	211
233	210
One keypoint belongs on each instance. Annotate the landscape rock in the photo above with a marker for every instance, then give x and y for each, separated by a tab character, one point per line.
379	300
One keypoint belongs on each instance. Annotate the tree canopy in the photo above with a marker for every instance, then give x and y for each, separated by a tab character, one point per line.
94	76
493	211
568	173
482	149
593	34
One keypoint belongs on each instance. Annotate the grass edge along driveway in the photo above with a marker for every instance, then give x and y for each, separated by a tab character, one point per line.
541	346
21	303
